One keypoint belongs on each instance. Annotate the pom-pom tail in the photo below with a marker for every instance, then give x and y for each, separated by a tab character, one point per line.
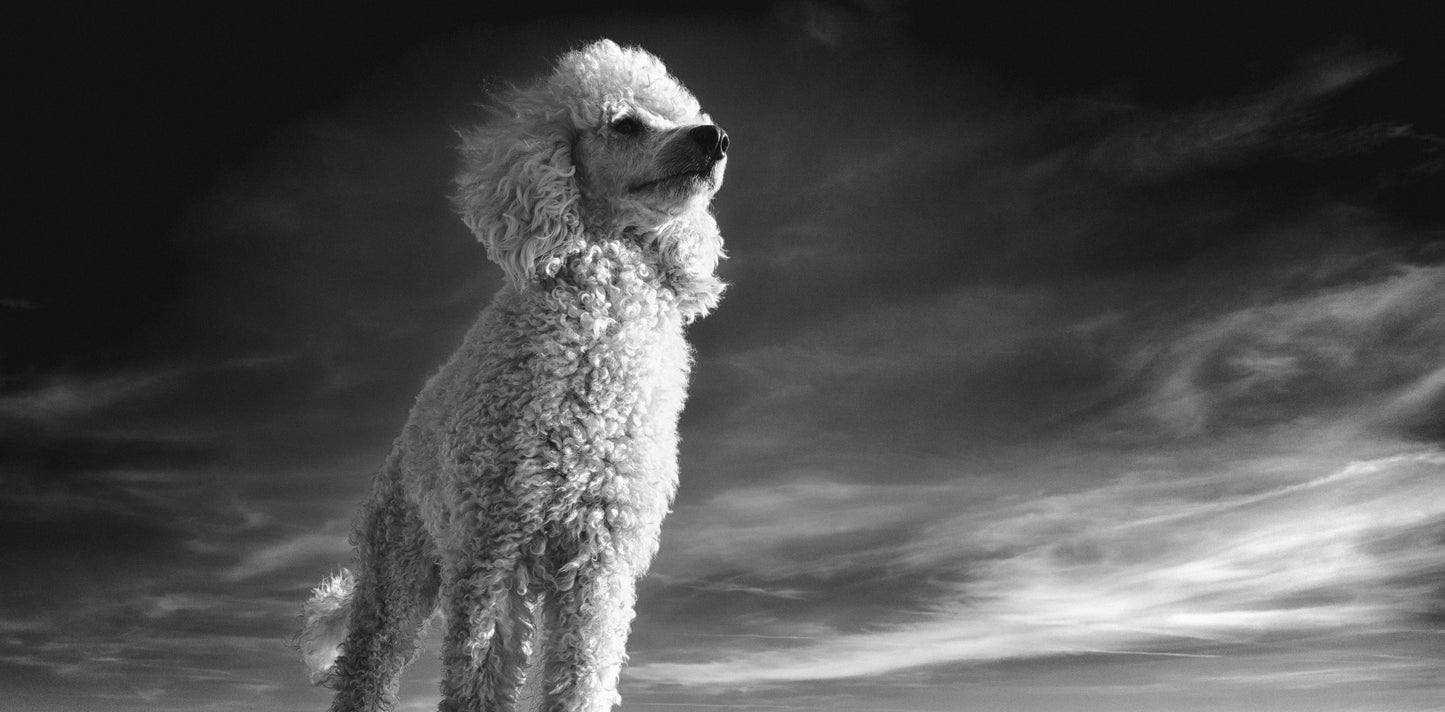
323	625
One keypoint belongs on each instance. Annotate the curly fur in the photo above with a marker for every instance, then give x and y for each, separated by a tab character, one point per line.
526	492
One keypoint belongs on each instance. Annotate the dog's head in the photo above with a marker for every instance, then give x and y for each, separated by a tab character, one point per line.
608	146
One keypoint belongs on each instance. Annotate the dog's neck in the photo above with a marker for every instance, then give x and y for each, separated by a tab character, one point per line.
626	261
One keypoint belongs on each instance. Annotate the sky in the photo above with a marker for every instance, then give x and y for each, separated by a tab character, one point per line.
1074	361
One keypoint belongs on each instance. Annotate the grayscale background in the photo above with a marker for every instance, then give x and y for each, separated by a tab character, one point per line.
1086	360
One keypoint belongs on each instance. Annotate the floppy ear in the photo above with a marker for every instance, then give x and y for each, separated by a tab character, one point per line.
518	194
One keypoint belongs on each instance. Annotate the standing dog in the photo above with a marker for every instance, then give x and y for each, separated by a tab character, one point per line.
529	485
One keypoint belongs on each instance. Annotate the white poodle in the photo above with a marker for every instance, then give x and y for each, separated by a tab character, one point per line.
529	485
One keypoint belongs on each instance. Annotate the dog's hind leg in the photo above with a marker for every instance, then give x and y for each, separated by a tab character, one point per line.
396	592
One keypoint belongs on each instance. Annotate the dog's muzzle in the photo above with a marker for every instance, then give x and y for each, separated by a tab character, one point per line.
692	161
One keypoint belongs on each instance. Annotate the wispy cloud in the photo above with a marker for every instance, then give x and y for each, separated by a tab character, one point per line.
971	325
1160	146
1305	356
728	587
279	555
68	396
1170	566
759	529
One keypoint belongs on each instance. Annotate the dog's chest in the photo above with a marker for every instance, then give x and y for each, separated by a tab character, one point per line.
620	356
586	377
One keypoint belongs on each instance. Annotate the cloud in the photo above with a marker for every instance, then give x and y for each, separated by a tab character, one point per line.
1142	564
1418	408
836	25
724	587
62	400
986	190
289	552
968	325
930	370
1163	145
965	328
756	529
167	604
1336	349
65	396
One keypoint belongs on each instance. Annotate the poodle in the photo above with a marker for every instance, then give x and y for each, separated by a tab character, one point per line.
525	495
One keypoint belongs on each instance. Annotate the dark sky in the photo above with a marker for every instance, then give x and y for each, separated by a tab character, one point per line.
1085	360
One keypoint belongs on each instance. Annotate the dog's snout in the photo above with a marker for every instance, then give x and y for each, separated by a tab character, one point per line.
712	140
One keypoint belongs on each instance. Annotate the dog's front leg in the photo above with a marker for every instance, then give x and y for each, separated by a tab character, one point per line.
489	631
587	626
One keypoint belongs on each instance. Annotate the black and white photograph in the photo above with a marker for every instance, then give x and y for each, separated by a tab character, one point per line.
844	355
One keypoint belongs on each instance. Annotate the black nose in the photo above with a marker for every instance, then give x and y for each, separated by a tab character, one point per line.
712	140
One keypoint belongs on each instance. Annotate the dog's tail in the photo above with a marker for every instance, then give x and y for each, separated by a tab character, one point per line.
323	625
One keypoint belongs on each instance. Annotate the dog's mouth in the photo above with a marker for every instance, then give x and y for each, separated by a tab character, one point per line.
685	180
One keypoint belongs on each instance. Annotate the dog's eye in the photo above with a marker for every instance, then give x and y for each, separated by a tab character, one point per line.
627	125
